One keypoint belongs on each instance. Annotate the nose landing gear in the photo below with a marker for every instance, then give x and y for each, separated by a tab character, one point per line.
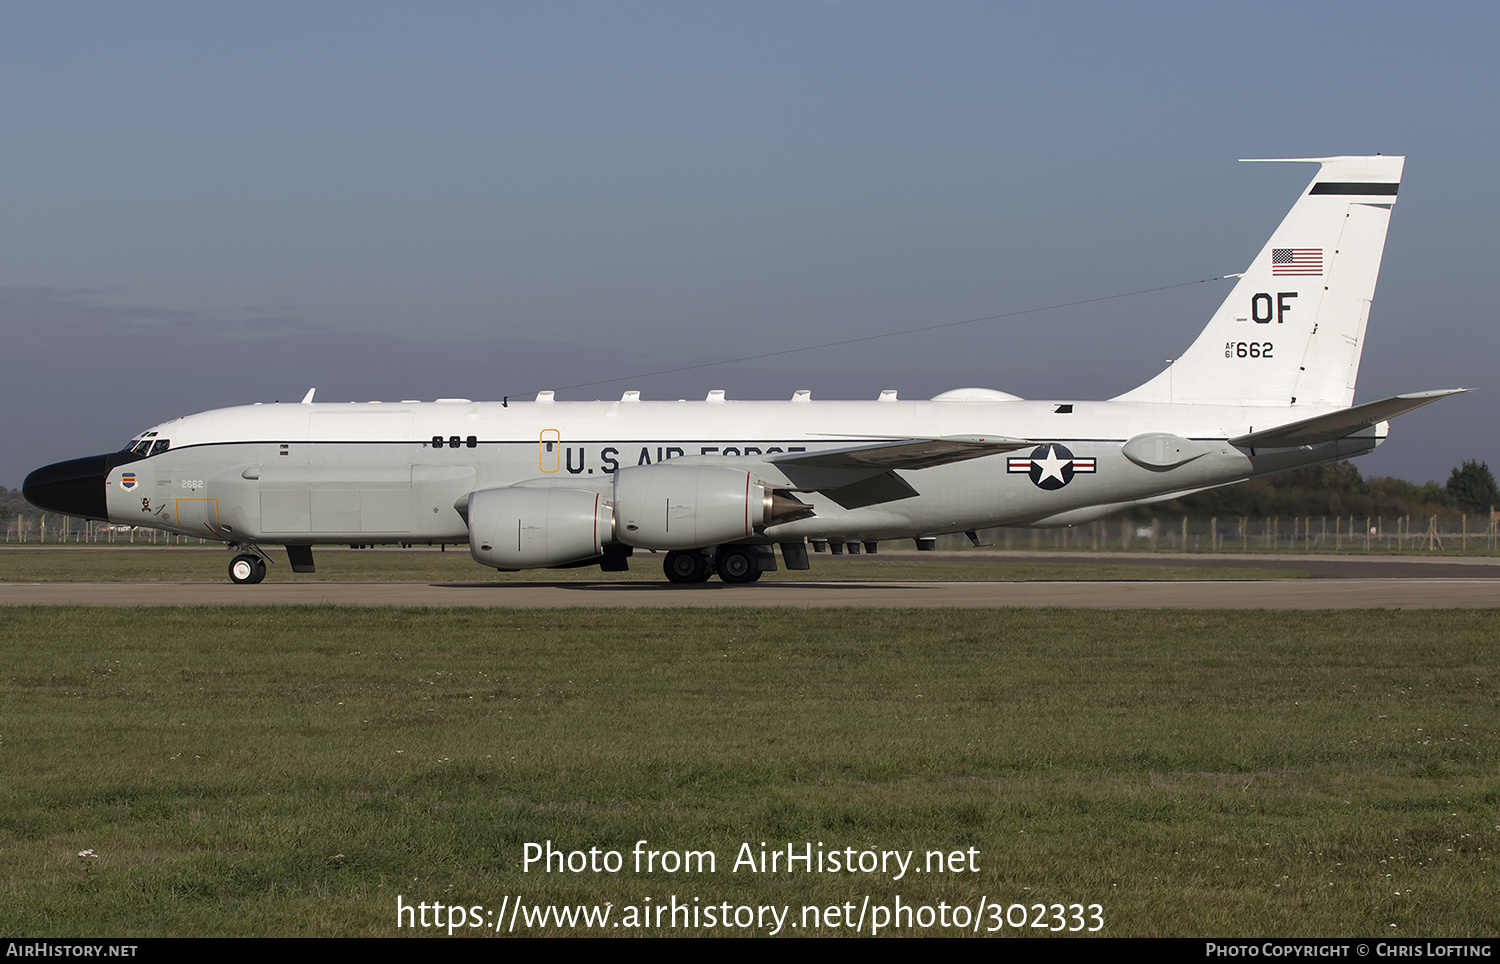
247	570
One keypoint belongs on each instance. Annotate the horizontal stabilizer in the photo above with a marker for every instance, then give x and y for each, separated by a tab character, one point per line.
909	453
1327	428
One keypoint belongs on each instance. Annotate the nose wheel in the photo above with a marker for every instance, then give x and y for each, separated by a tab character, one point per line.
247	570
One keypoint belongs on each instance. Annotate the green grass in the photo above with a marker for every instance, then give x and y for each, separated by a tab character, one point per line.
252	771
193	564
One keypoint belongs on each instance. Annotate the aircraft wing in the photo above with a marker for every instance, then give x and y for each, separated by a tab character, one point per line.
865	474
1327	428
905	453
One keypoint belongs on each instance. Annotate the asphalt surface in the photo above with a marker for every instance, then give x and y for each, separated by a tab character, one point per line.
1337	582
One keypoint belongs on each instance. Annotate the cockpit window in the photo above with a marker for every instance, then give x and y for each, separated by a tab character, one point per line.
146	444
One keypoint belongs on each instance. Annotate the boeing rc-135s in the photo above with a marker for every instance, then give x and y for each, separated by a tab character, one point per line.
1267	386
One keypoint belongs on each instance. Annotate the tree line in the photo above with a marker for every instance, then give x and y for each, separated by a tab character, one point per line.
1338	489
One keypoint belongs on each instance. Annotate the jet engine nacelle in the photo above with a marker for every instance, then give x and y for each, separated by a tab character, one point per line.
666	506
514	527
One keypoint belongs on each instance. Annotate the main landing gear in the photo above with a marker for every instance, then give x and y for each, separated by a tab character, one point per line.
738	564
735	564
688	566
246	569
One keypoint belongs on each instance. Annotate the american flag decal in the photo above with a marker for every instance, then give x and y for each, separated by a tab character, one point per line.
1307	262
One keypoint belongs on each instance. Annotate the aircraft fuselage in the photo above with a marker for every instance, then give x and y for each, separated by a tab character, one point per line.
396	472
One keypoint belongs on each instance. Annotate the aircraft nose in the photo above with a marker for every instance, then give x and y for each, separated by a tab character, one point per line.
74	487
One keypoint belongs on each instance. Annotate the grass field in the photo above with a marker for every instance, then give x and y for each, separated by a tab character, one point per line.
191	564
291	771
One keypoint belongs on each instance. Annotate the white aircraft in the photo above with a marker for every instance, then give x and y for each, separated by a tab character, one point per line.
1267	386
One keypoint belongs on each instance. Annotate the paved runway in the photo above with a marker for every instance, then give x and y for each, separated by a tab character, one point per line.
1337	582
1357	593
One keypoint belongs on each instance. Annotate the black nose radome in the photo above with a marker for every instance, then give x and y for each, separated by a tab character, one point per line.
74	487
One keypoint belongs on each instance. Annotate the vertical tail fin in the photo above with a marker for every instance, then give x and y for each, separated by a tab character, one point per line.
1291	331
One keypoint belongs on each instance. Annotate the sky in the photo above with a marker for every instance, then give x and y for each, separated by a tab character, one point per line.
214	204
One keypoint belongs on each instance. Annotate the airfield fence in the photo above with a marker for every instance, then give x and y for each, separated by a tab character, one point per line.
64	530
1311	534
1377	534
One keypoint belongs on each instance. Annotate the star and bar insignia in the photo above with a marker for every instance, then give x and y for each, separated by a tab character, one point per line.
1051	466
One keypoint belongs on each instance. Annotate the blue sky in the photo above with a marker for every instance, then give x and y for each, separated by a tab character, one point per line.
211	204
